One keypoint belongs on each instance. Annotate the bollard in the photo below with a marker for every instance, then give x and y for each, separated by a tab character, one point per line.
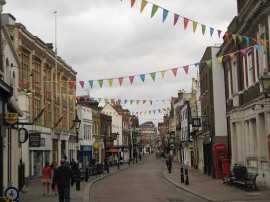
78	181
86	175
186	177
182	175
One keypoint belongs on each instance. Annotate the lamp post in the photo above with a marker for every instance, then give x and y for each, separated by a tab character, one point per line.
105	150
77	123
265	83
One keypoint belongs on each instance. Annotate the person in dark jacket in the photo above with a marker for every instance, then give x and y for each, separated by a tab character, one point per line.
63	178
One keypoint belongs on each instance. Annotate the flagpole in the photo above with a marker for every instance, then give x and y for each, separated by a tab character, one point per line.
55	50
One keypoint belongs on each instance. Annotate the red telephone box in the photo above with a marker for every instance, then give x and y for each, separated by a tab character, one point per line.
220	153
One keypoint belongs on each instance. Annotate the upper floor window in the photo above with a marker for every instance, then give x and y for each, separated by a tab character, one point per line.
250	68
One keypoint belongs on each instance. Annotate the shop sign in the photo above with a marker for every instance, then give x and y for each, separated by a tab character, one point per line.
34	139
96	145
11	118
196	122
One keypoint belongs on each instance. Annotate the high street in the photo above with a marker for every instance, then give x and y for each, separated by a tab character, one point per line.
142	182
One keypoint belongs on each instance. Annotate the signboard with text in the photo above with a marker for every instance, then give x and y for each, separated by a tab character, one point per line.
34	139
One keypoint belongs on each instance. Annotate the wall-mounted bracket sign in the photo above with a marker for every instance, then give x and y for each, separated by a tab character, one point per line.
23	135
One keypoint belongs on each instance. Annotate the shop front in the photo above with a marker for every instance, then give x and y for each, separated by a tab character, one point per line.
86	156
40	146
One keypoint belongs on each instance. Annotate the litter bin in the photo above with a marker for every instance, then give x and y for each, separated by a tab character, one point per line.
226	167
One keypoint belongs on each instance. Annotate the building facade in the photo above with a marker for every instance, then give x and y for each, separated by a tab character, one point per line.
46	95
247	105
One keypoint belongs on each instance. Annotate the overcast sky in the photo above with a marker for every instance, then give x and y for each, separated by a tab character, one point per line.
103	39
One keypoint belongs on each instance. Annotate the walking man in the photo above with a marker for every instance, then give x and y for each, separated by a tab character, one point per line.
63	178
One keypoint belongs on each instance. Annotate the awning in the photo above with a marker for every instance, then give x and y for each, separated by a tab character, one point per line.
112	150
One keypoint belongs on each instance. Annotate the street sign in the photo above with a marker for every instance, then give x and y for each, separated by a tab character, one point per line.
11	118
196	122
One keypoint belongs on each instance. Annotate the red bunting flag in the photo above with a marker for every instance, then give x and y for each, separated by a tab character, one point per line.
174	70
185	22
227	36
132	3
120	80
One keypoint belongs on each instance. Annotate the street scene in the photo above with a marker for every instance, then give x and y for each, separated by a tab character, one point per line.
135	100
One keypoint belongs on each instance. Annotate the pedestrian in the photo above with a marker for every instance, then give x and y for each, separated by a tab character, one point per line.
66	161
73	165
63	178
54	168
46	178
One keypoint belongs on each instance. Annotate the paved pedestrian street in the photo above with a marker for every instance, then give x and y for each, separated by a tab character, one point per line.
149	180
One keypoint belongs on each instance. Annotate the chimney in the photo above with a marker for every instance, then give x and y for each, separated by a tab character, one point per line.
49	46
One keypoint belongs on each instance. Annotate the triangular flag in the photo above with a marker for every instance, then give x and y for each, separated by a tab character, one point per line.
142	77
153	75
131	101
165	14
197	64
227	36
175	19
186	69
231	55
132	3
137	102
209	63
240	38
194	26
219	32
82	83
257	47
203	29
163	73
174	70
220	58
90	83
234	38
248	41
151	102
185	22
154	10
78	98
131	78
110	82
120	80
244	52
100	82
144	101
125	102
211	31
143	4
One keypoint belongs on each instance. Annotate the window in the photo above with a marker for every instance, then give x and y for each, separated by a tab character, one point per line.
37	109
24	67
250	68
37	76
42	142
229	80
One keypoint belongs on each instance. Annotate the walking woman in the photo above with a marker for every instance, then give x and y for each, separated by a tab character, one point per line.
46	178
55	166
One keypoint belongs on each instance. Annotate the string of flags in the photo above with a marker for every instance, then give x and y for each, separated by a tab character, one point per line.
250	44
195	24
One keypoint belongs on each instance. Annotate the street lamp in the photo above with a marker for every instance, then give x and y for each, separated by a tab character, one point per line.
265	83
77	123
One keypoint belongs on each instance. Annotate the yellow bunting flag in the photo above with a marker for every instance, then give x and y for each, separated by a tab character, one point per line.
143	4
163	73
110	82
194	26
234	38
220	58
